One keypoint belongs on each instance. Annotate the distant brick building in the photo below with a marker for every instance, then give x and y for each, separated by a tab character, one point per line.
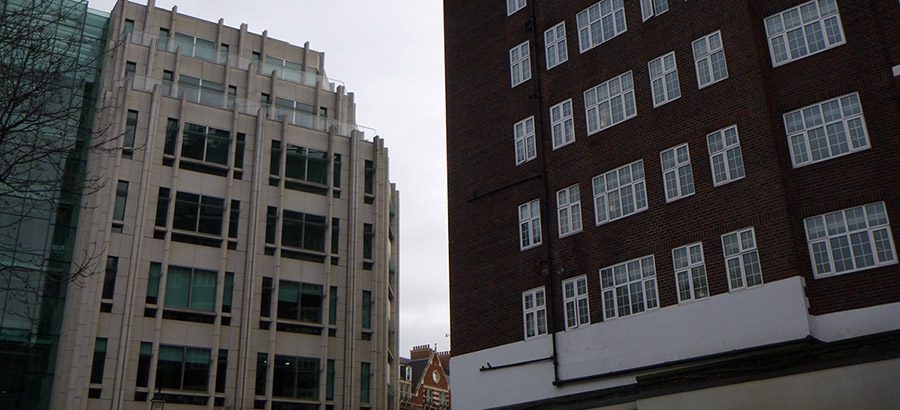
425	379
659	204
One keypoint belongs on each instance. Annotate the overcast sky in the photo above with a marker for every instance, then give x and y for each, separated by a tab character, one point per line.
390	54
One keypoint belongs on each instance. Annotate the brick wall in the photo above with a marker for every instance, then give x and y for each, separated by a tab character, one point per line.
489	272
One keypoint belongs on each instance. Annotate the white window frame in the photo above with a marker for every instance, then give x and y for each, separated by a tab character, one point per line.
801	123
644	276
555	45
666	69
568	210
874	222
809	17
650	8
513	6
599	100
562	124
724	147
523	140
742	264
536	312
520	62
705	49
679	166
624	181
601	13
530	224
694	270
575	296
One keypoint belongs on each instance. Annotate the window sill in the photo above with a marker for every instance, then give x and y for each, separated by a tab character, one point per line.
715	185
818	276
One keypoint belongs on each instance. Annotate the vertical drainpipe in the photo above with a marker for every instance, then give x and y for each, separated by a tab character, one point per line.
531	28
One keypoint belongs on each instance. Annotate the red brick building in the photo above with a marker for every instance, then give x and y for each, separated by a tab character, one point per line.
662	203
425	379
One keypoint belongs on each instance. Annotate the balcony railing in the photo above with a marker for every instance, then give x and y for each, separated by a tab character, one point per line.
222	100
263	68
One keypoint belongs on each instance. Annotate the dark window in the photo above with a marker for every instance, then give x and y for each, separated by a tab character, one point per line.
367	309
370	178
275	163
171	136
368	236
257	57
232	96
265	301
364	370
163	42
332	305
129	26
296	377
262	365
121	199
305	231
182	368
223	52
153	282
197	213
335	235
99	360
336	182
130	69
221	370
329	380
146	353
299	301
205	143
168	80
130	129
188	288
271	223
306	164
162	207
228	292
234	218
109	278
239	150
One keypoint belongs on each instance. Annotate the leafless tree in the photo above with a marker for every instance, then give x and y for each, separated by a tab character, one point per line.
48	67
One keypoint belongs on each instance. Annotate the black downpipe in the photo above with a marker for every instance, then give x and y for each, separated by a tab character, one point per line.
545	210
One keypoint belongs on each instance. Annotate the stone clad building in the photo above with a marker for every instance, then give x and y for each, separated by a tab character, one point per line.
249	231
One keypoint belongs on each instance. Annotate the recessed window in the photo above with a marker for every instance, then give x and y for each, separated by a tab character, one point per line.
562	126
202	91
513	6
709	58
804	30
725	156
629	288
741	259
299	114
826	130
850	240
529	224
664	79
302	231
196	47
523	132
183	368
121	200
575	300
610	103
190	288
300	301
130	129
650	8
568	210
534	313
366	309
365	375
99	360
296	377
620	192
555	44
520	64
207	144
690	272
109	277
677	174
198	213
599	23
